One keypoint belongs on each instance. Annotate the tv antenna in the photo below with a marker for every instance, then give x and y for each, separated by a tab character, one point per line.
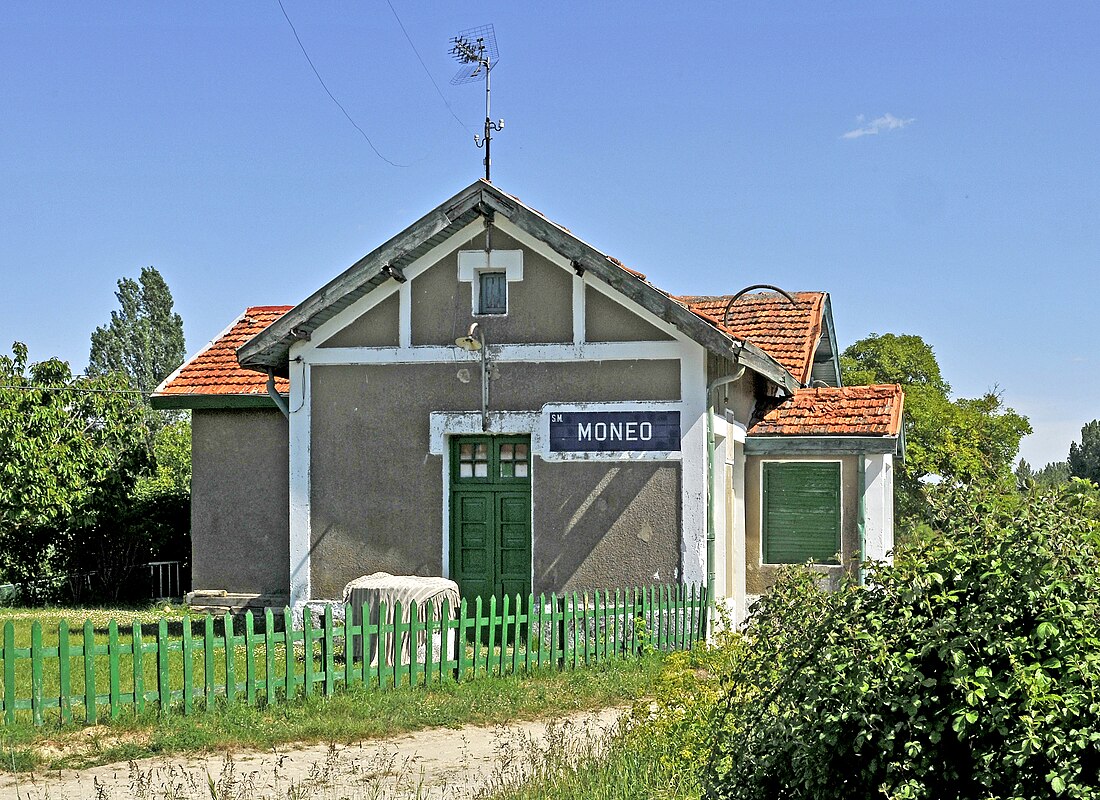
476	50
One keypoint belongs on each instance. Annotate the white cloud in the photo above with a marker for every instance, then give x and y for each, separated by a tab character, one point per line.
887	122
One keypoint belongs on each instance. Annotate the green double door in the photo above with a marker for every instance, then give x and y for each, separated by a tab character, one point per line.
491	515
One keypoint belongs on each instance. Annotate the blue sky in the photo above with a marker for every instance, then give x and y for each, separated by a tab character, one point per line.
704	145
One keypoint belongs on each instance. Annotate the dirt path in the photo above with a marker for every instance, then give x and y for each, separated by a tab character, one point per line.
439	763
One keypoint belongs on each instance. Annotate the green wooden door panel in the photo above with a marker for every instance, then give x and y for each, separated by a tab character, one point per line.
491	515
801	512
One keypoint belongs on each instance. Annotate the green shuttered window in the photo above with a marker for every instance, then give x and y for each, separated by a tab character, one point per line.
801	513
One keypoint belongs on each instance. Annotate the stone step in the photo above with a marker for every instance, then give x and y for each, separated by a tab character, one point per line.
218	601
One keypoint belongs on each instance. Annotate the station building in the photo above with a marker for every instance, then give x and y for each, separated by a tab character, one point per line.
488	398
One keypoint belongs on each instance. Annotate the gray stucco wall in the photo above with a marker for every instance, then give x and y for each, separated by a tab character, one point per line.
540	307
377	492
240	529
759	577
376	328
608	321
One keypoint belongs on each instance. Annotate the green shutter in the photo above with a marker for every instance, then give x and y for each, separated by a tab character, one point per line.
801	513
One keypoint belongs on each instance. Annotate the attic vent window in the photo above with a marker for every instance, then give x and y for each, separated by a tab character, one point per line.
489	275
493	295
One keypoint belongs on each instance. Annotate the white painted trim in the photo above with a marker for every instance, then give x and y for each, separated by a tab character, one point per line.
693	475
468	423
878	507
760	501
404	315
595	351
736	461
300	505
373	298
579	309
471	262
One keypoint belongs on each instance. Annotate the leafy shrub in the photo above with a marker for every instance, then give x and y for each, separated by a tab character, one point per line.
969	669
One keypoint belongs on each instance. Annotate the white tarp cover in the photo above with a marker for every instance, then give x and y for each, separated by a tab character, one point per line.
428	594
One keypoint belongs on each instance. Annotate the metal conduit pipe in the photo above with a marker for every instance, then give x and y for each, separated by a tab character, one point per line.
273	393
714	385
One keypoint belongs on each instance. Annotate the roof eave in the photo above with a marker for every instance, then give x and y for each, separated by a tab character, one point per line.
851	444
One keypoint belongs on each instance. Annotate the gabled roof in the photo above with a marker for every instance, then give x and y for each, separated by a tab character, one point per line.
213	377
788	333
835	411
270	349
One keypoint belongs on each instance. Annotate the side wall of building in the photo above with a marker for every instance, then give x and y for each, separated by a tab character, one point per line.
240	495
760	576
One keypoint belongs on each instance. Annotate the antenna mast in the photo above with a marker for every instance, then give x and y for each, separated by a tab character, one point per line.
476	50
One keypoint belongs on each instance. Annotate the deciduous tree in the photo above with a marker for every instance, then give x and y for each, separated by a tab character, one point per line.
1084	458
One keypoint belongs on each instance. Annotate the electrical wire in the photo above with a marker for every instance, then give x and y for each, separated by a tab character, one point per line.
329	93
426	70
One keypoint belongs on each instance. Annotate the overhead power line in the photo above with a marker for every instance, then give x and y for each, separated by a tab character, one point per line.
76	389
329	93
426	70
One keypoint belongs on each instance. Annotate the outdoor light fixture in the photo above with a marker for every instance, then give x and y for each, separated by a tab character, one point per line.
472	344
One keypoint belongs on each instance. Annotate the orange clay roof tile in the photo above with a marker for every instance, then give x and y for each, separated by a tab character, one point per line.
833	411
215	371
786	333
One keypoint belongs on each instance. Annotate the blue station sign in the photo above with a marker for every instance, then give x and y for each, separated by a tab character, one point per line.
614	431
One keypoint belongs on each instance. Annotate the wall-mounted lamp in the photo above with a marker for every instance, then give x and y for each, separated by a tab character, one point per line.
472	343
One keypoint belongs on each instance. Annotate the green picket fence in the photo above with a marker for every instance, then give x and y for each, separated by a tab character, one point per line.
195	664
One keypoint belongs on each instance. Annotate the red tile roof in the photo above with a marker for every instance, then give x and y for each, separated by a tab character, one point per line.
788	333
832	411
215	371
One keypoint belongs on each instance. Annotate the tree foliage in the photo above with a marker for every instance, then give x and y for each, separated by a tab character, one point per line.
960	441
1056	473
969	669
1084	458
68	447
144	339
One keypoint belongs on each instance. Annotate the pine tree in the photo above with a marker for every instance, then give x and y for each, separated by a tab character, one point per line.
1084	458
144	338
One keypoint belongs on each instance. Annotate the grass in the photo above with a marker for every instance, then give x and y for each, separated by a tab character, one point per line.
348	716
629	763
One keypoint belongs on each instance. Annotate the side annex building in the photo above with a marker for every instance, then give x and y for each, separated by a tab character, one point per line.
488	398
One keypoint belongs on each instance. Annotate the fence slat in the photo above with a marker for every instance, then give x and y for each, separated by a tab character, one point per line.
364	643
114	670
138	649
330	654
517	635
230	659
9	673
307	654
399	633
36	672
460	639
383	647
490	649
269	656
249	658
90	714
349	647
414	644
188	653
208	660
288	641
164	682
64	671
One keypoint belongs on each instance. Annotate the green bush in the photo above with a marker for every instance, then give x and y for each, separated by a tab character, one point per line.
969	669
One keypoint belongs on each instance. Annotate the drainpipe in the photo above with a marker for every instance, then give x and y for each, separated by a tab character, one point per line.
274	394
714	385
861	515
